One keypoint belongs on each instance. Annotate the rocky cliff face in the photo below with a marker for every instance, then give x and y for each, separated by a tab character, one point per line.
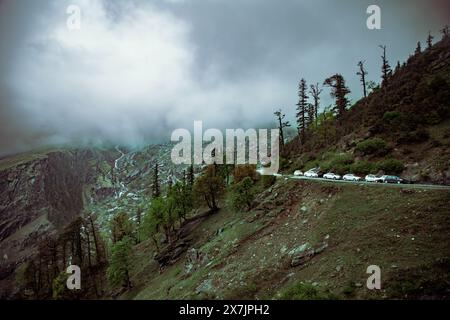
41	192
39	195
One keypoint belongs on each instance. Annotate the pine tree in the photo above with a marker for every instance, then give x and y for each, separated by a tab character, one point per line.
445	32
418	48
152	221
182	195
119	265
139	212
190	176
156	190
121	227
311	115
430	40
397	67
315	93
183	179
302	109
362	73
339	92
169	217
385	67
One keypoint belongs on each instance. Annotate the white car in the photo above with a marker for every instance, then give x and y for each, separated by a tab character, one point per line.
332	176
351	177
311	174
298	173
372	178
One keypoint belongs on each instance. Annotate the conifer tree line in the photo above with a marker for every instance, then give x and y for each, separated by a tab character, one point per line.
307	113
80	243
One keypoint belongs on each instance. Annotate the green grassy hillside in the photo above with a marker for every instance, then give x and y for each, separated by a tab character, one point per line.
247	255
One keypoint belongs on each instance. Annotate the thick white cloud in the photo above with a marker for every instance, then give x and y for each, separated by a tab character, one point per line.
124	79
138	69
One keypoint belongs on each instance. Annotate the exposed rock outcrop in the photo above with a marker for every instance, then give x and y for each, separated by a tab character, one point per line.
39	194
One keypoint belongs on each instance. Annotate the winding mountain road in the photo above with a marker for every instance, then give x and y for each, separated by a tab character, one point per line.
393	185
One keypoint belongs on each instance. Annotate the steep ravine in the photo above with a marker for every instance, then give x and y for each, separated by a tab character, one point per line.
38	196
43	191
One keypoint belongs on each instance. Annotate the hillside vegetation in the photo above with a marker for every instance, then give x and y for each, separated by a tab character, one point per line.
402	127
141	227
261	253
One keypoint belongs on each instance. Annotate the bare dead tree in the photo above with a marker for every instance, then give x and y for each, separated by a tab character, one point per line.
362	74
281	125
315	93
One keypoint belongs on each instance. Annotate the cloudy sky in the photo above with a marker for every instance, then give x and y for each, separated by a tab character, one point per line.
136	70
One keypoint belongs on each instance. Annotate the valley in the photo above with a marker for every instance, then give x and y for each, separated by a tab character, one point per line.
141	227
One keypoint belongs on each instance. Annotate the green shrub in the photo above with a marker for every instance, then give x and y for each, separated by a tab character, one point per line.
363	167
337	162
331	161
324	166
392	116
340	168
311	164
304	291
284	163
267	181
349	289
433	118
342	159
419	135
391	166
375	146
243	194
59	291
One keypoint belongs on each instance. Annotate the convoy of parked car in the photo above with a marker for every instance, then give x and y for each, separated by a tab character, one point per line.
314	173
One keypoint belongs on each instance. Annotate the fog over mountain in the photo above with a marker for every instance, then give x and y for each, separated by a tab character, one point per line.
136	70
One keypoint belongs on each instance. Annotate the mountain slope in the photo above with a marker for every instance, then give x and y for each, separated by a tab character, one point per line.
261	253
409	116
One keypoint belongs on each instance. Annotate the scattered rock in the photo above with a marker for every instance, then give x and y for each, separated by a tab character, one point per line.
304	253
300	249
320	248
301	258
205	287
